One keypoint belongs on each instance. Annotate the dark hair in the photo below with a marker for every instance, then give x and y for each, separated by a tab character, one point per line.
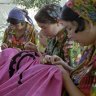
49	13
69	15
14	21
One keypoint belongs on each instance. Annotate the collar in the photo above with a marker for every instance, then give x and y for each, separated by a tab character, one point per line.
61	35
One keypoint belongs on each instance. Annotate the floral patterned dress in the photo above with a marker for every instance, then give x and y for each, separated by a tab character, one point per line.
62	47
85	75
55	46
11	40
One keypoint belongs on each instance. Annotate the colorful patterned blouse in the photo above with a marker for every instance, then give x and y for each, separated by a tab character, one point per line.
61	46
11	40
55	47
85	75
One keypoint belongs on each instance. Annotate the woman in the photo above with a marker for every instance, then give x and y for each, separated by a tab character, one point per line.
82	80
26	76
48	19
19	32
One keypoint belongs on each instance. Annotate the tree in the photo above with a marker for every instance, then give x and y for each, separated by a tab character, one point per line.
34	3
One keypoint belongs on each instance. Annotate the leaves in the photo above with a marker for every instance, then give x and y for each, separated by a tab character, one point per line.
34	3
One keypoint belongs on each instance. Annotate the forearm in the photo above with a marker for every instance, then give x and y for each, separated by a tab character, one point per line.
71	87
67	67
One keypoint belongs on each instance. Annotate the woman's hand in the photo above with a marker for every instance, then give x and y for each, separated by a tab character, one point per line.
4	46
58	61
31	46
18	49
46	59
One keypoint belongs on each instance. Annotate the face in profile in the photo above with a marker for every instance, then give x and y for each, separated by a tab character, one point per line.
85	37
50	30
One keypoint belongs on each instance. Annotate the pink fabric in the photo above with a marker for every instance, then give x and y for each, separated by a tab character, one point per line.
37	79
5	58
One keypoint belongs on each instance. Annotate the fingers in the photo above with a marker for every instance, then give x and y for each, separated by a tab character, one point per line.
47	58
55	59
30	46
4	46
18	49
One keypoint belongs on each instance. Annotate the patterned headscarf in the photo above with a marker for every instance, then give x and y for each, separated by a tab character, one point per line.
49	13
54	11
17	14
85	8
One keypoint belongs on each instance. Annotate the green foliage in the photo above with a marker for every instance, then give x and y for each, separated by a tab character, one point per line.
34	3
